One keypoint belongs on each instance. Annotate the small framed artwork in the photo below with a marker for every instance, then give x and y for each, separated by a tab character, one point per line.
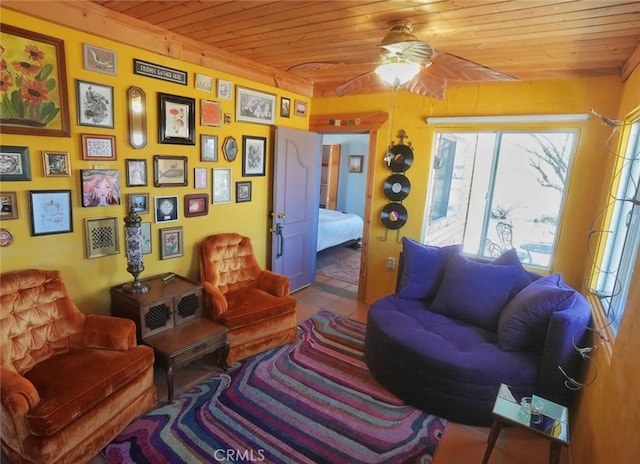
210	113
243	191
50	212
145	228
355	163
98	147
200	178
254	153
171	242
196	204
221	186
254	106
136	172
285	107
208	148
8	205
100	187
14	163
101	237
139	202
230	148
225	89
203	82
166	208
177	116
169	171
95	104
99	59
300	108
56	163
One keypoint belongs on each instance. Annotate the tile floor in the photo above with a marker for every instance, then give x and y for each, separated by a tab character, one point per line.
461	444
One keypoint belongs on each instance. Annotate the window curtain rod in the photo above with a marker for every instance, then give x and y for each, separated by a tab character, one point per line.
574	117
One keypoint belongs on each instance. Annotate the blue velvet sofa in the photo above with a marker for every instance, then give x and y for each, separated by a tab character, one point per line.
456	328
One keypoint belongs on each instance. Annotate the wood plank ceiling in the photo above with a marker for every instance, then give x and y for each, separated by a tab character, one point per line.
527	39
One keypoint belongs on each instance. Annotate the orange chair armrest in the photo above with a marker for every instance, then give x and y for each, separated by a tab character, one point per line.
275	284
218	301
17	393
109	333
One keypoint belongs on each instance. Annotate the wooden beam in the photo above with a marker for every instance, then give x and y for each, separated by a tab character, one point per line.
94	19
631	63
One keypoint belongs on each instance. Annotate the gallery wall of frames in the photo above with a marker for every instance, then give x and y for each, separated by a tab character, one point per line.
104	128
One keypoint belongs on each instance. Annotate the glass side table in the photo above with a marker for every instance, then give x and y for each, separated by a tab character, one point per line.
539	415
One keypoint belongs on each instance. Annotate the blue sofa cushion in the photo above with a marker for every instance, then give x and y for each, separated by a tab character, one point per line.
510	258
475	292
423	269
524	321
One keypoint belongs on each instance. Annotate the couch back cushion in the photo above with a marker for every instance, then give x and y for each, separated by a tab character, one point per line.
227	261
475	292
423	268
523	322
37	318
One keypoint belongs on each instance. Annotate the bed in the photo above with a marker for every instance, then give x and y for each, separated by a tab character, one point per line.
336	228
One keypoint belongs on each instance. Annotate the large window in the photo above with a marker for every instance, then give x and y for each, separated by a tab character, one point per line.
623	237
493	191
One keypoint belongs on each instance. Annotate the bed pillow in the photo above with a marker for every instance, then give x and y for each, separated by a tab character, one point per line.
475	292
524	321
423	269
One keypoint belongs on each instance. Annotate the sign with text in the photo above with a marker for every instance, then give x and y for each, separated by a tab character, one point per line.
159	72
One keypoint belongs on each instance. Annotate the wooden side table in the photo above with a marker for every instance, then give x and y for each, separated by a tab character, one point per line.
169	318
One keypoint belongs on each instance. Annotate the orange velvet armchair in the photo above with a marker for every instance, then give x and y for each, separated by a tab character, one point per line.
69	382
254	304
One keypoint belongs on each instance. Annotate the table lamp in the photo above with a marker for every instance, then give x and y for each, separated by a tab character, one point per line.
133	238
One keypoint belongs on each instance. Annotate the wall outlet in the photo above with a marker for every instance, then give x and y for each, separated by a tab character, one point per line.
391	263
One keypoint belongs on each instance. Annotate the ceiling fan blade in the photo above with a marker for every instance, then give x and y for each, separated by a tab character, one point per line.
427	84
459	69
313	66
363	80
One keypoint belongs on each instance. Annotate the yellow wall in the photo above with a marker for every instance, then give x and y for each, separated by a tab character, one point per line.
408	112
89	280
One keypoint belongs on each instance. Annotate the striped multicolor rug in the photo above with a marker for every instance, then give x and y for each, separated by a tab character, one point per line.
311	402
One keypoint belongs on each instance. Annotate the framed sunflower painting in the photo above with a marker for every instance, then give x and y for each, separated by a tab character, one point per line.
33	84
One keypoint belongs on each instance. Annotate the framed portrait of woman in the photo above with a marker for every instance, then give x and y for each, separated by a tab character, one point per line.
100	187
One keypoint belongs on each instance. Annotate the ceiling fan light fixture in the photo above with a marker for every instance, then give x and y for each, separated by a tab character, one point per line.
397	73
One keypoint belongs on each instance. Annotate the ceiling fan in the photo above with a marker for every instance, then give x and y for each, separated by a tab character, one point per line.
413	64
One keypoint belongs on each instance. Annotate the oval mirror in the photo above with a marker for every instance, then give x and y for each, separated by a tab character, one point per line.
137	118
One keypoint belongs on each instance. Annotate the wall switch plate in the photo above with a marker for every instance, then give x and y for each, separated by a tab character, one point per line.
391	263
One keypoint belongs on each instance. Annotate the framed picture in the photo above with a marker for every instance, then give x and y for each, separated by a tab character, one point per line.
200	178
300	108
101	235
210	113
99	59
56	163
50	212
355	163
203	82
225	89
139	202
254	153
285	107
98	147
196	204
221	186
14	163
208	148
48	115
230	148
100	187
136	172
95	104
243	191
166	208
8	205
145	228
176	119
169	170
171	242
254	106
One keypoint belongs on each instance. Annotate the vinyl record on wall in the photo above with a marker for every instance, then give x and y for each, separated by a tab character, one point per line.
396	187
394	216
401	159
